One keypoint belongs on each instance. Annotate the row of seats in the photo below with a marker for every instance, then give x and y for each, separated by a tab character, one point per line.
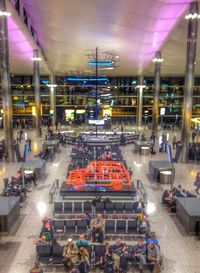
53	254
100	207
112	226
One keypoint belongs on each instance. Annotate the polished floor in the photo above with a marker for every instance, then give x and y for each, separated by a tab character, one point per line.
181	252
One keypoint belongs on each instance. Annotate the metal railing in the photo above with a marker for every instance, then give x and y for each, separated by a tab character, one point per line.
52	191
142	191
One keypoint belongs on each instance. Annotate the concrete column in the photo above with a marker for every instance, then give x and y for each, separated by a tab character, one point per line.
52	87
140	100
36	75
189	83
5	85
155	113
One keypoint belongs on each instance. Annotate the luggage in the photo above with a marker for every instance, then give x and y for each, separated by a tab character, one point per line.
97	236
109	268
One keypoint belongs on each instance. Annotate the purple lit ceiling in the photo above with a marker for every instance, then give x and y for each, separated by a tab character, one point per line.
135	29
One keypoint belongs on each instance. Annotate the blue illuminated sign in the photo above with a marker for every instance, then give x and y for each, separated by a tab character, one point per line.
109	63
86	79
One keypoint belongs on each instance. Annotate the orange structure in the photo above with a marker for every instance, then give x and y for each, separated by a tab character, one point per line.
108	174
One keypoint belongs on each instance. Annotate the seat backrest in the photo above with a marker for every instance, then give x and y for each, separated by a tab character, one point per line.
58	206
78	207
109	207
68	207
70	224
121	225
57	250
132	225
87	206
43	250
119	207
110	225
59	224
81	224
99	207
128	207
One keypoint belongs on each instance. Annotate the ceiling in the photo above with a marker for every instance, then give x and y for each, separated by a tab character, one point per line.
133	29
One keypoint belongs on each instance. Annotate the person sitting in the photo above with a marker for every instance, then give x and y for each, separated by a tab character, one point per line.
106	258
97	199
197	183
118	249
98	229
152	238
84	260
82	242
165	197
47	228
171	207
107	200
138	253
42	241
87	218
44	154
169	198
143	226
139	206
70	254
153	255
109	156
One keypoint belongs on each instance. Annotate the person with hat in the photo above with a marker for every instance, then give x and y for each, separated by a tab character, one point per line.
70	254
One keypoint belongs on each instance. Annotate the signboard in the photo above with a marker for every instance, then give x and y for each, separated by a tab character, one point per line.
162	111
169	153
96	122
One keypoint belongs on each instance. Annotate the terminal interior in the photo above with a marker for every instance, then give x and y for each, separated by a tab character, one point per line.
99	136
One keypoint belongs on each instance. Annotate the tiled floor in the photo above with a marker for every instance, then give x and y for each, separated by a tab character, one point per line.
181	252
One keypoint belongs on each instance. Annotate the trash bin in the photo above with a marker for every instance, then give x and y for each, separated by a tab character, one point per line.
165	177
145	150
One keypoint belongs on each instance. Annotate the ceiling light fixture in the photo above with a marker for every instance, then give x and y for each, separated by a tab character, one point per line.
36	59
5	13
107	63
192	16
106	59
158	60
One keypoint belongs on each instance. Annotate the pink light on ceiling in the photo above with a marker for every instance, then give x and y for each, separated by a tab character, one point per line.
168	16
19	40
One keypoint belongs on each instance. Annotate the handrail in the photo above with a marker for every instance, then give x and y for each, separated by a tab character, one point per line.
52	191
141	189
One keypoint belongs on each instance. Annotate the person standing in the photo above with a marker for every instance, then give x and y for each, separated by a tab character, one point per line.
174	142
193	136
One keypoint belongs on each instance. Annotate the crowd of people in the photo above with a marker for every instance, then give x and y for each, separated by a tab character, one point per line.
114	257
23	123
169	197
16	186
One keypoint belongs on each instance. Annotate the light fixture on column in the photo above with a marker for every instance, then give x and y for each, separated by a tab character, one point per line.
4	13
140	86
158	60
52	85
192	16
36	59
